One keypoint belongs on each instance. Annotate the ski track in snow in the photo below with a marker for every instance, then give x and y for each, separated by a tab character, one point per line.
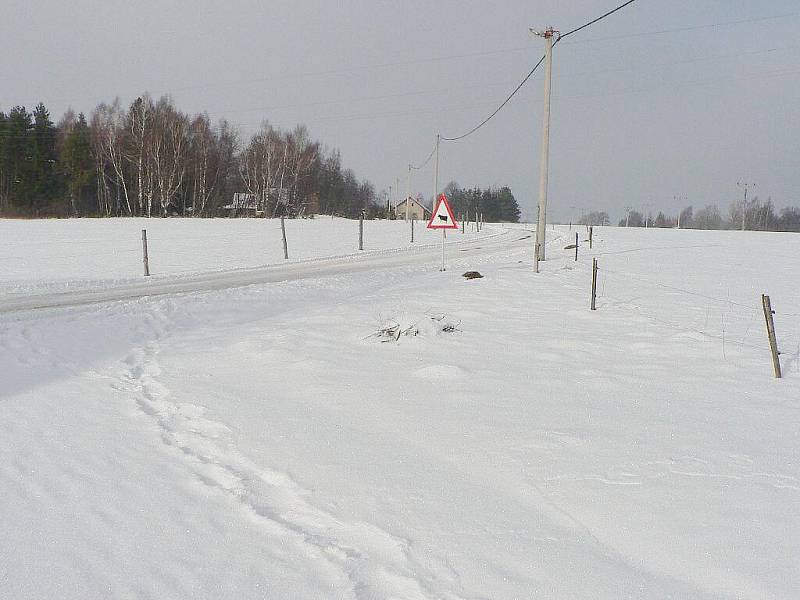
376	563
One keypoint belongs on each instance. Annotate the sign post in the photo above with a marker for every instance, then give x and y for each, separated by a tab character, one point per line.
442	218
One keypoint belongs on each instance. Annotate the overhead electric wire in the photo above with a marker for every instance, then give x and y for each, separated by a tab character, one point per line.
499	108
424	162
600	18
531	72
689	28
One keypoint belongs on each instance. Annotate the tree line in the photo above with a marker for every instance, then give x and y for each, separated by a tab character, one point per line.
495	204
152	159
753	215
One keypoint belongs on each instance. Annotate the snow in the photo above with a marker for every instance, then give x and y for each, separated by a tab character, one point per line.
259	441
57	255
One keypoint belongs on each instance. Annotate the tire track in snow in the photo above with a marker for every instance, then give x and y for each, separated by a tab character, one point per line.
372	562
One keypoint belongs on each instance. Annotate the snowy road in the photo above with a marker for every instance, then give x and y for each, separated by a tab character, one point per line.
502	240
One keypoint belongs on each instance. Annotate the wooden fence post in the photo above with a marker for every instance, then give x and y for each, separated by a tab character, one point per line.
576	246
773	344
361	231
594	283
536	257
463	224
283	233
591	230
144	254
412	230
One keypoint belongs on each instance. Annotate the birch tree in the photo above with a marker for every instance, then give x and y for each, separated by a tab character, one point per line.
139	125
170	129
263	166
108	125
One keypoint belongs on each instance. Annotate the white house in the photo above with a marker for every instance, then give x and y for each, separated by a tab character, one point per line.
415	210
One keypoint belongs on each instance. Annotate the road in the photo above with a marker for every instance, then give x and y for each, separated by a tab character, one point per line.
503	241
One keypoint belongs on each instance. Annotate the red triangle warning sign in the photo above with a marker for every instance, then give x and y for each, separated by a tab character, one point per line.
442	216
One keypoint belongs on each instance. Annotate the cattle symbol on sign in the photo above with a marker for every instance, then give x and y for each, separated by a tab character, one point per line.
442	216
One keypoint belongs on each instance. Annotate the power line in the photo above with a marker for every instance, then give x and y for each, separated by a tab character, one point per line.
426	161
423	92
689	28
600	18
323	73
531	72
499	108
685	85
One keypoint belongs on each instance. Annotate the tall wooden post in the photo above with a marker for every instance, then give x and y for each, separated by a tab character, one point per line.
536	257
594	283
144	254
412	230
283	233
773	344
361	231
591	230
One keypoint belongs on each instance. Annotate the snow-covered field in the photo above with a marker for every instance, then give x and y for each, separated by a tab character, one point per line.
260	441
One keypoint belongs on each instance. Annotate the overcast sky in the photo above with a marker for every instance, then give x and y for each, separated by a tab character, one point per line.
663	99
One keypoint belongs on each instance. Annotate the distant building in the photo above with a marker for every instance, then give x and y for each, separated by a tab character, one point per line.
243	204
275	202
415	210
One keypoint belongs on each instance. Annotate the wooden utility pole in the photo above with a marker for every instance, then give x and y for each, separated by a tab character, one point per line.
144	254
408	192
544	156
773	344
745	185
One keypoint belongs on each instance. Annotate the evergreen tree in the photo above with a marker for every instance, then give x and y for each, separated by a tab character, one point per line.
509	209
5	177
77	166
17	147
495	205
44	183
663	221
